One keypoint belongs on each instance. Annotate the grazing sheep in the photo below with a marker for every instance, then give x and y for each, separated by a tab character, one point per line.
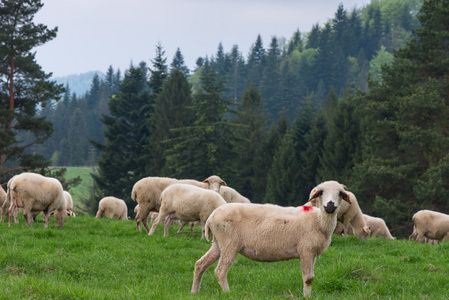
378	227
147	192
36	193
111	207
267	233
186	203
430	225
69	200
2	195
7	203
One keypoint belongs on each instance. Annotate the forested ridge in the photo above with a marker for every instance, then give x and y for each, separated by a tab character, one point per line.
362	99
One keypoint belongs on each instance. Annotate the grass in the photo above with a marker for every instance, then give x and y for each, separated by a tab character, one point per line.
108	259
81	192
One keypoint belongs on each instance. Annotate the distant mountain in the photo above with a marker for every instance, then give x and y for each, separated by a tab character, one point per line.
79	83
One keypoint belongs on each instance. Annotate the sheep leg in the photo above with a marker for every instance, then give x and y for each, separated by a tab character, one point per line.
46	218
11	210
226	260
191	227
346	227
156	222
307	264
167	223
414	234
445	238
182	226
203	264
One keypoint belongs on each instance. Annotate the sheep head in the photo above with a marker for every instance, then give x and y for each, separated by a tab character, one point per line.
214	183
328	196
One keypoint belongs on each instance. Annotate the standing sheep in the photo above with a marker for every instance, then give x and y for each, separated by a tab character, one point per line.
430	225
350	215
113	208
147	192
186	203
267	233
36	193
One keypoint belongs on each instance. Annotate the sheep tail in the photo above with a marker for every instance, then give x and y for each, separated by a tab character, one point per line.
134	195
207	232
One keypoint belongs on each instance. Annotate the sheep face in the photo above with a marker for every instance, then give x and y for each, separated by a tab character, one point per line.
214	183
328	196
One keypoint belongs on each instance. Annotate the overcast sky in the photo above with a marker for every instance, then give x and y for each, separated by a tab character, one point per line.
94	34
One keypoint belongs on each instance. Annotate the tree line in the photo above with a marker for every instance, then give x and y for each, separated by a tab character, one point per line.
362	100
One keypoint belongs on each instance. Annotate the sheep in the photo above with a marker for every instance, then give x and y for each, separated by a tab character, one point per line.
351	215
69	200
112	207
147	192
186	203
378	227
36	193
7	203
230	195
431	225
267	233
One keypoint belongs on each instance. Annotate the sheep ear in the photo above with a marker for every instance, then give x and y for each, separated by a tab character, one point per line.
315	194
366	229
345	197
345	187
223	182
206	180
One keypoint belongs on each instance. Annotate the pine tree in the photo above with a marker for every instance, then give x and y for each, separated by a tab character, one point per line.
256	62
173	109
159	72
405	125
205	148
250	161
179	64
122	160
25	85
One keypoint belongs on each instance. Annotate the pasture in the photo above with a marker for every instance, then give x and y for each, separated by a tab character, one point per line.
108	259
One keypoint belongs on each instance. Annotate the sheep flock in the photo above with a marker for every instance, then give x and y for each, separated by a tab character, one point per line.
260	232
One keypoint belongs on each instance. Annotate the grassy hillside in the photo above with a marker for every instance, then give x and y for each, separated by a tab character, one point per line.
108	259
81	192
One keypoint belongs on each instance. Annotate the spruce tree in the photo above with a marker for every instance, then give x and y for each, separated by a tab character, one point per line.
250	161
122	160
179	64
405	125
173	109
25	85
206	147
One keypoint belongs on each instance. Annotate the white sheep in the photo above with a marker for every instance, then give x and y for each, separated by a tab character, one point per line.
147	192
430	225
267	233
7	203
112	207
69	200
36	193
351	215
378	227
186	203
230	195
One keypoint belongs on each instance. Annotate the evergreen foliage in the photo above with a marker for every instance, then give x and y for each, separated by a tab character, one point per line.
24	87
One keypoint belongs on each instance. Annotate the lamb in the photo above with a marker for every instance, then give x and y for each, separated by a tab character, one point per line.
378	227
431	225
267	233
36	193
112	207
186	203
147	192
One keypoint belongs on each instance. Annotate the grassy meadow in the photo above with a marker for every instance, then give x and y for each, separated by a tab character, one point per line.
108	259
82	191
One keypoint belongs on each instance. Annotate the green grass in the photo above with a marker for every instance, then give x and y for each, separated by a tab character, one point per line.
81	192
108	259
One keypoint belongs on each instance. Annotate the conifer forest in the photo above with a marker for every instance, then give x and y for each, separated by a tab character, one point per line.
362	99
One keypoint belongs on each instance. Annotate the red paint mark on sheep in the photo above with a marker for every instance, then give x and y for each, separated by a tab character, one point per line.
307	208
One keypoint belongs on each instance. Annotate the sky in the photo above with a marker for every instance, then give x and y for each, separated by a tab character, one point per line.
95	34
